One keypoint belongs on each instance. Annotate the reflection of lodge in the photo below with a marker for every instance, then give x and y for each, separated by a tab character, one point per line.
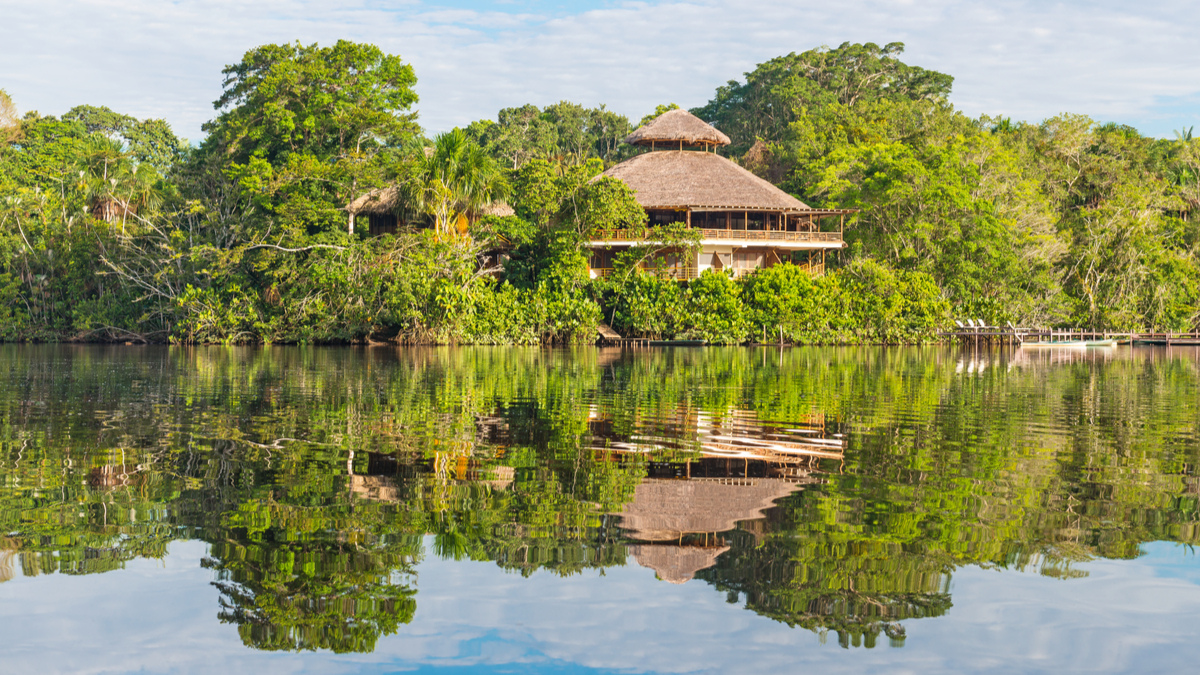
680	519
679	512
744	467
735	435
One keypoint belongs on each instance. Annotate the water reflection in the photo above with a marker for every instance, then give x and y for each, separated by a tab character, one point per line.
832	489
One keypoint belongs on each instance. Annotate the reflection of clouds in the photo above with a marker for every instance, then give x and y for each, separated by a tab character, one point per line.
1130	615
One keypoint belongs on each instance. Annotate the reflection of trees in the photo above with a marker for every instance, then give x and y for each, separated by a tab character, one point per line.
512	456
856	591
312	595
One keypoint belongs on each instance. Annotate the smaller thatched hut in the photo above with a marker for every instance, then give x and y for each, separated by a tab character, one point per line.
387	211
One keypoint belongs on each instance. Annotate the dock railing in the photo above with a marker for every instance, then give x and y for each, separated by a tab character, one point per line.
980	333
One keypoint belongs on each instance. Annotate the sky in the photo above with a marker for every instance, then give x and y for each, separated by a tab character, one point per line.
1133	63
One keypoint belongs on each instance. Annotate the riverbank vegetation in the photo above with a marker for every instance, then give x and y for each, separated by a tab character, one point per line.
113	229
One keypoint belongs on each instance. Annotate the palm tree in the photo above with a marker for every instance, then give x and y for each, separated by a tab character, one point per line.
453	180
114	186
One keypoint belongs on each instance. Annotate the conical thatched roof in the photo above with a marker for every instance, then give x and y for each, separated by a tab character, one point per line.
676	564
677	126
676	179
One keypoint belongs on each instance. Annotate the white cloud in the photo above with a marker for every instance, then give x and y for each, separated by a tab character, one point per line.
1126	62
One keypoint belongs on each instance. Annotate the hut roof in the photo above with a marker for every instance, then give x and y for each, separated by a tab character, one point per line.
677	126
669	179
664	510
379	200
496	208
388	200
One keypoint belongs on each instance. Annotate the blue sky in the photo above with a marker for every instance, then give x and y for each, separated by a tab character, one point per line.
1134	63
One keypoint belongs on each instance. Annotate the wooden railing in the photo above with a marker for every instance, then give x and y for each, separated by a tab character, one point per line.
741	235
815	269
770	235
668	272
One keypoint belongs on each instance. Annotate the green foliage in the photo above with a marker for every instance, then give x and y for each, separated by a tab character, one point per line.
779	91
289	99
866	303
564	133
714	310
112	229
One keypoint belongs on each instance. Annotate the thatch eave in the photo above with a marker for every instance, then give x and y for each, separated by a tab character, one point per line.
690	180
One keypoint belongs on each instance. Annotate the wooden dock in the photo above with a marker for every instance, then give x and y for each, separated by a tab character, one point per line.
981	335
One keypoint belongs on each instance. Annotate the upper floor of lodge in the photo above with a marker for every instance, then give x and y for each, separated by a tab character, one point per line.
683	181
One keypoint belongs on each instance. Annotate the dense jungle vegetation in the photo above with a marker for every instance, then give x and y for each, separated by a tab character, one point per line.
112	228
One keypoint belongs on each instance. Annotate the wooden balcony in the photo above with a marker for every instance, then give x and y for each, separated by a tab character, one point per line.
764	236
689	273
678	273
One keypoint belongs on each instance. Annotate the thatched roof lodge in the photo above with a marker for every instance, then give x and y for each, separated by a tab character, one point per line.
745	222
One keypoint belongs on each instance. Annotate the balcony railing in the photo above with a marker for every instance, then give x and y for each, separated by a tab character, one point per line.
667	272
740	235
814	269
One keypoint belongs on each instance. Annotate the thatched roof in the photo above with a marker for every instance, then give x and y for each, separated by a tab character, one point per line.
379	200
497	208
677	126
388	200
664	510
677	179
676	564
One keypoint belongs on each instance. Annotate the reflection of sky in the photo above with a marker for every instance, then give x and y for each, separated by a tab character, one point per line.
160	616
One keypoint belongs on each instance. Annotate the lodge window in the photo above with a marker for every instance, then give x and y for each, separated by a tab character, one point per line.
602	258
667	217
747	260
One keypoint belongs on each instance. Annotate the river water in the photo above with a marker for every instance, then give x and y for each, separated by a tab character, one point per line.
676	510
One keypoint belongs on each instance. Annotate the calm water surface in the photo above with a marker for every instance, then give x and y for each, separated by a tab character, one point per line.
592	511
